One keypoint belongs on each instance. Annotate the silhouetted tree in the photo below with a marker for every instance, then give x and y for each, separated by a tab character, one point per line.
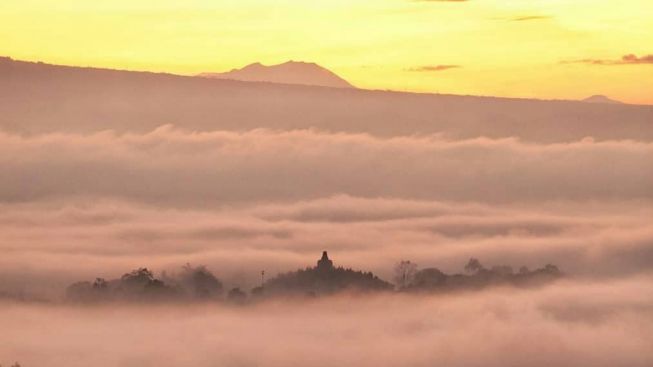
501	270
324	279
404	273
200	282
428	278
100	284
235	295
473	266
138	278
432	279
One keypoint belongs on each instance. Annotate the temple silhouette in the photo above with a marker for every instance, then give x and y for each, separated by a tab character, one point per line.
324	264
198	283
324	278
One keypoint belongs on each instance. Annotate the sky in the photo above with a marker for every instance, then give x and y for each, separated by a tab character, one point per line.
102	173
550	49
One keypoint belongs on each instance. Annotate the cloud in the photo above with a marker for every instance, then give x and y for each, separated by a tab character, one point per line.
175	168
428	68
49	244
569	323
529	17
633	59
142	102
76	206
629	59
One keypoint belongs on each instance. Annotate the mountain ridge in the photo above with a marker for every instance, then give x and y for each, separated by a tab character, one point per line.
41	98
289	72
599	98
7	60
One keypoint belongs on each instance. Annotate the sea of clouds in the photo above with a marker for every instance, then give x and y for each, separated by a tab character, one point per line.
78	206
603	324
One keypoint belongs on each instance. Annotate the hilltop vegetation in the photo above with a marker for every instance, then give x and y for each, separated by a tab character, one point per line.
192	283
322	279
200	284
433	280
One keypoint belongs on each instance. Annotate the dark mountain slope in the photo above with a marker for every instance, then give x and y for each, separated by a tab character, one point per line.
291	72
37	98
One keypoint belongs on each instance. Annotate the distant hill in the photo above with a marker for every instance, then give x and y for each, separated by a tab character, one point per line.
321	280
291	72
39	98
597	98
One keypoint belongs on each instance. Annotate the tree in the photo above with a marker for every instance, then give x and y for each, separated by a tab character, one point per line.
473	266
200	282
429	278
235	295
405	273
138	278
100	284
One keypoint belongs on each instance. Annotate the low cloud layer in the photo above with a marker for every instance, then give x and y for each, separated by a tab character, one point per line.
210	203
77	206
170	167
570	323
50	244
80	206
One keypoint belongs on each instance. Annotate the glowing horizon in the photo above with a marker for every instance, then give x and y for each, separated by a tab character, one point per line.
549	49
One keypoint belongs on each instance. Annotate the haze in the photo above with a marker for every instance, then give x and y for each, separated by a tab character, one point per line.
217	186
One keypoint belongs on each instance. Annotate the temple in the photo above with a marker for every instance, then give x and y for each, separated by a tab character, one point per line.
324	263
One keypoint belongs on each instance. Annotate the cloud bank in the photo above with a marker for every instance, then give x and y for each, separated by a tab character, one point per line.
373	177
589	324
170	167
76	206
49	245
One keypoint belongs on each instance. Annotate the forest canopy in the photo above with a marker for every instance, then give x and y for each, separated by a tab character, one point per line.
199	284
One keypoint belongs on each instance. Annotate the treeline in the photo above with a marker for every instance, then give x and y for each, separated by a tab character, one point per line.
318	281
411	279
192	283
198	283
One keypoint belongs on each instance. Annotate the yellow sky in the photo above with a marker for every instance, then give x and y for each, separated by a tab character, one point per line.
518	48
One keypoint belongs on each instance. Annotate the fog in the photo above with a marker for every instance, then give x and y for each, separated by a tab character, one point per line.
103	173
87	239
79	206
184	168
40	98
569	323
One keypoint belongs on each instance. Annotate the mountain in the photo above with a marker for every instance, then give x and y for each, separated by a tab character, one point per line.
291	72
41	98
597	98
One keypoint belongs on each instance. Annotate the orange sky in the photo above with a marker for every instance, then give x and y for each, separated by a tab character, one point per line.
520	48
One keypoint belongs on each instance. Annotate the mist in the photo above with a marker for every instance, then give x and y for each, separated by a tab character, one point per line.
110	179
185	168
588	323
